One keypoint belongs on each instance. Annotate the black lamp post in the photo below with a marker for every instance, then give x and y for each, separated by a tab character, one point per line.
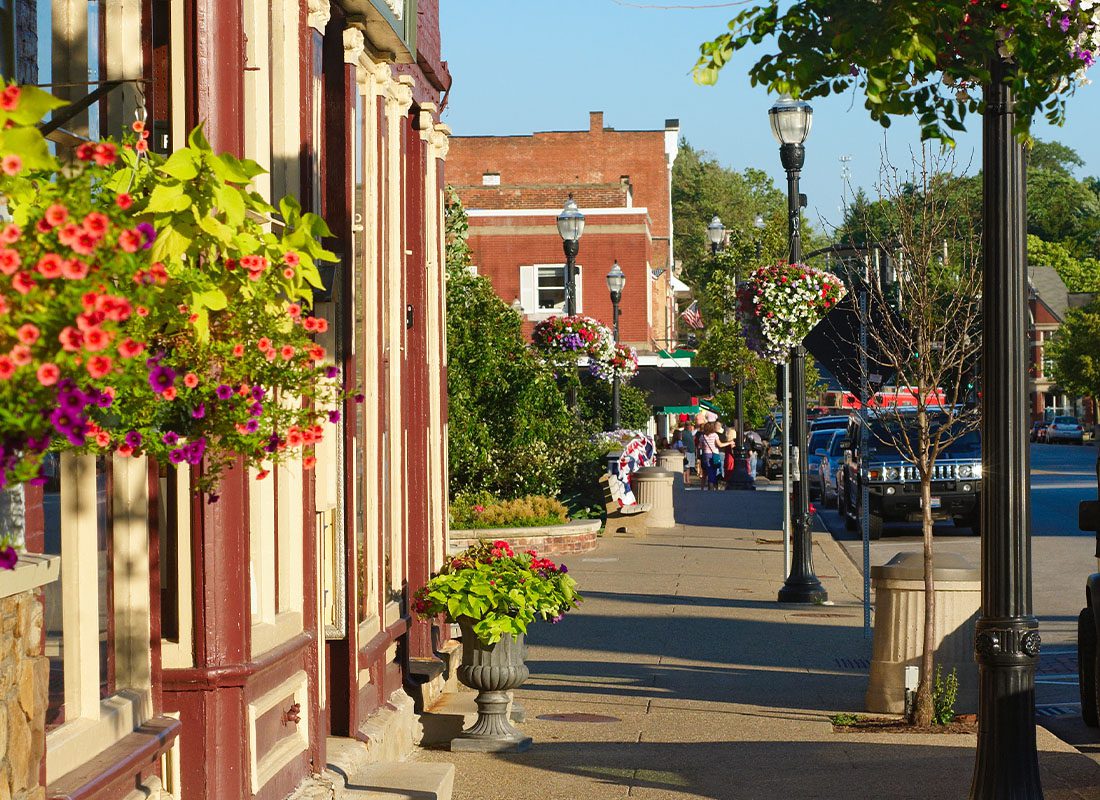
616	281
1006	636
791	120
570	227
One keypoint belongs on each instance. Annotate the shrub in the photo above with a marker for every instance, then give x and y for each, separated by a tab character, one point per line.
944	693
482	510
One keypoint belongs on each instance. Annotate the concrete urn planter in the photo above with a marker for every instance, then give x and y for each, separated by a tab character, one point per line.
493	670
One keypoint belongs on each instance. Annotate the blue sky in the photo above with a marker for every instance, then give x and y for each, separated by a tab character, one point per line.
529	65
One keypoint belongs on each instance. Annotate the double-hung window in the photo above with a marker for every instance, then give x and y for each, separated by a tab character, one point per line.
542	289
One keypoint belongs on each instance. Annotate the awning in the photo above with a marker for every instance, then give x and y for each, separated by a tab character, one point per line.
669	386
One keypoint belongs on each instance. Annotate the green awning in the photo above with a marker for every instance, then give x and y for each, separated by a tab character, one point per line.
679	410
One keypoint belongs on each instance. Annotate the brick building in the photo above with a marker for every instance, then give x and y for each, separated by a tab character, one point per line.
213	651
1048	302
513	187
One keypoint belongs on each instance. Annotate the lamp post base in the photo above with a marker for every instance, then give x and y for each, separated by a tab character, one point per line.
803	590
742	478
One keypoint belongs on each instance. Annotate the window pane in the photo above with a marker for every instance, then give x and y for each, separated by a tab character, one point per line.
551	277
53	608
552	298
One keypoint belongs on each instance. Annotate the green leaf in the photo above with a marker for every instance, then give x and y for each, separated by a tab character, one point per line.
181	165
220	231
167	198
213	299
231	203
34	104
197	139
29	145
171	243
227	168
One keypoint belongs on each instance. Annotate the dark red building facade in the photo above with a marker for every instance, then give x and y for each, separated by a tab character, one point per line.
207	650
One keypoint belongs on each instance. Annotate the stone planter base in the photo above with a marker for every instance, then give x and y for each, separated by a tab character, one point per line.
492	670
578	536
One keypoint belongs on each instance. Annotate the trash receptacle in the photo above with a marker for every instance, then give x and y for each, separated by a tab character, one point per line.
613	462
899	627
672	460
653	485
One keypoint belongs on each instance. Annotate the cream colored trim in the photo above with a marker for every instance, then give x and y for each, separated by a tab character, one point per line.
286	99
261	528
319	15
31	571
291	542
543	230
170	767
257	89
69	19
264	769
177	655
178	71
354	45
368	628
130	540
74	743
398	100
269	635
79	582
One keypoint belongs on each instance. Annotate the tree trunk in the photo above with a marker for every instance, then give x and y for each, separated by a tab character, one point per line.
923	708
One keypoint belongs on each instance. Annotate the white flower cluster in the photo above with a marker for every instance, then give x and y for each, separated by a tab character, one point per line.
780	306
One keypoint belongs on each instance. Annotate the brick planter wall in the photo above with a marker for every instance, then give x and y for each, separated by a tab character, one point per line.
24	689
578	536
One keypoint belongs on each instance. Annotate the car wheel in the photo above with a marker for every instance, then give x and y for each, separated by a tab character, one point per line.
849	516
1078	442
874	527
1086	667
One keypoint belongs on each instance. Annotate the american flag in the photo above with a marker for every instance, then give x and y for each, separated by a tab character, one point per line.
691	315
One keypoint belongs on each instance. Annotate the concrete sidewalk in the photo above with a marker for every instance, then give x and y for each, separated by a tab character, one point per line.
710	689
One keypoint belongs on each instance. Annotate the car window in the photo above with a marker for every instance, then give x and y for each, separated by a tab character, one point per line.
836	446
819	439
1065	420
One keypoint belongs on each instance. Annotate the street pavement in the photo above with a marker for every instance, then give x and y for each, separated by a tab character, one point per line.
1062	559
682	677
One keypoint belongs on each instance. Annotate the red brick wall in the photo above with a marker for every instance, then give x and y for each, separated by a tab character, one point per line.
501	197
572	160
499	256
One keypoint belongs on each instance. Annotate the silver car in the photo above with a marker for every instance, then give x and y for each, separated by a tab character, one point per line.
827	462
1065	429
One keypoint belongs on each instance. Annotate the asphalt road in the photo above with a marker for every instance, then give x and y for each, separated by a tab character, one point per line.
1062	559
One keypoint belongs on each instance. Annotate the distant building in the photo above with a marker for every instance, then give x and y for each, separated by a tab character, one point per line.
1048	302
513	188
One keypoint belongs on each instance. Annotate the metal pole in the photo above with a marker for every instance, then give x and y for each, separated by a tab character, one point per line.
864	440
784	383
1006	635
615	417
571	248
802	585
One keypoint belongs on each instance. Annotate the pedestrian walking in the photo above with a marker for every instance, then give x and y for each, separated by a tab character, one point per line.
687	442
727	442
711	452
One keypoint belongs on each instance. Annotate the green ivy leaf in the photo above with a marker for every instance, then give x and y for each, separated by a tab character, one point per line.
167	198
213	299
181	165
231	203
29	144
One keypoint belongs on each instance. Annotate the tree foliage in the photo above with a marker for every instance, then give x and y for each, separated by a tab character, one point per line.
912	57
510	431
1076	352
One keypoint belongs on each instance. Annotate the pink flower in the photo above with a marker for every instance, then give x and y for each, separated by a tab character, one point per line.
11	164
48	374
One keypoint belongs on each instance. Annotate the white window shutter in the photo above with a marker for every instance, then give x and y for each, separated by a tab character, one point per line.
528	289
578	273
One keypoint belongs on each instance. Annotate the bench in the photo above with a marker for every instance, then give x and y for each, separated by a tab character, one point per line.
629	520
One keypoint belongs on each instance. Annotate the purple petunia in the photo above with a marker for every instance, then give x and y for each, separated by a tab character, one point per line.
161	378
332	372
223	392
8	557
334	417
258	393
199	411
177	456
256	409
133	439
194	451
252	425
149	232
170	438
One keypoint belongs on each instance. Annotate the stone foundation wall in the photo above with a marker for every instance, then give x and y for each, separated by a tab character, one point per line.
580	536
24	693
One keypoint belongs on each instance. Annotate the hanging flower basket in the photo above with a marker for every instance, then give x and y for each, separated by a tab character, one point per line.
564	338
779	305
623	363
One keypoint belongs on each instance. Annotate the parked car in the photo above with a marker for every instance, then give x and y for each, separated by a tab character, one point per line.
827	462
1065	429
829	424
894	483
819	440
1039	431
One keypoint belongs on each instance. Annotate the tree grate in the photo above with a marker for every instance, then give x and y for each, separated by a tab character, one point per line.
853	663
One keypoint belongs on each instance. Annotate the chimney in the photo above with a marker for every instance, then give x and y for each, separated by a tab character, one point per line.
595	122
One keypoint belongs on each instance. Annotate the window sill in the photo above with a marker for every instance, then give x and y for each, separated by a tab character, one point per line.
76	743
31	571
269	635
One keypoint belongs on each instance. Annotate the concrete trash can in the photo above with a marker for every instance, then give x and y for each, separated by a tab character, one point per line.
899	627
672	460
653	485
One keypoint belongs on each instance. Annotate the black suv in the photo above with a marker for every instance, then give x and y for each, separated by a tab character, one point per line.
894	484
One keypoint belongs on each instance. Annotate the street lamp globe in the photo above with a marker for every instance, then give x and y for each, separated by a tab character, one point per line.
791	120
616	281
570	221
716	231
758	222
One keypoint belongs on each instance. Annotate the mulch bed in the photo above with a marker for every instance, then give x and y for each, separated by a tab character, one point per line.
965	723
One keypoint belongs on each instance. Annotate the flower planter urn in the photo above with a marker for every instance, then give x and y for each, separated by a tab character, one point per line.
493	670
